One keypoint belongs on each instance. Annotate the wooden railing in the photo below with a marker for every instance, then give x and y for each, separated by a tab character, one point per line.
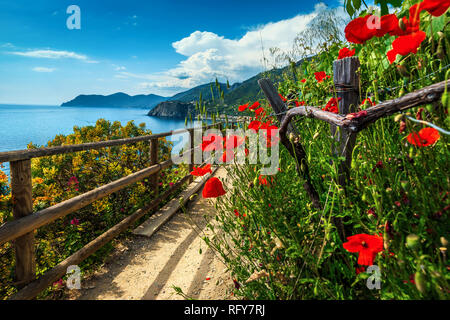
25	221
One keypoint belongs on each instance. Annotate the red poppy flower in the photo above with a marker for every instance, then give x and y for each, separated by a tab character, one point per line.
232	141
259	112
409	25
371	212
425	137
270	133
199	172
236	213
378	165
228	156
213	188
263	180
388	24
368	102
345	52
366	245
320	76
358	31
282	98
254	125
243	107
303	80
404	45
212	142
301	103
254	105
435	7
358	270
332	105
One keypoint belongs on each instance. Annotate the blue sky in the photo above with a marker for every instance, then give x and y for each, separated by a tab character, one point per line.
138	47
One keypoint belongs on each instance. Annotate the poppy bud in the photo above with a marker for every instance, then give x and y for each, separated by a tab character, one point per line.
419	114
403	71
404	184
445	99
412	241
291	136
440	50
420	281
364	197
444	242
401	24
399	117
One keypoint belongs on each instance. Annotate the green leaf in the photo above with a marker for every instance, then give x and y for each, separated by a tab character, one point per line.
349	8
437	24
356	4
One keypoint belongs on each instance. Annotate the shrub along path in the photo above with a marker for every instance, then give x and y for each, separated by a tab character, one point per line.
147	268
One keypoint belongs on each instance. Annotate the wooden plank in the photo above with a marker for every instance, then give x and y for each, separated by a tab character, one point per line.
14	229
154	179
35	287
50	151
149	227
192	158
24	246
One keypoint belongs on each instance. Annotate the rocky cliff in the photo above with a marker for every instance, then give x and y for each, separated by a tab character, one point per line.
174	109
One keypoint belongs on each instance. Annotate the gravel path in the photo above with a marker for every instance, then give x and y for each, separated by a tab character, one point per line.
147	268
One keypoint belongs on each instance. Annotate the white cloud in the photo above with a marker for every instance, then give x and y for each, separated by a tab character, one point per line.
209	55
43	69
52	54
7	45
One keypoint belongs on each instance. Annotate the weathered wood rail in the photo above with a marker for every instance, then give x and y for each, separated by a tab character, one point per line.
21	229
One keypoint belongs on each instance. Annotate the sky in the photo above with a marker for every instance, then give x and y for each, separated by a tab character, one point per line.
139	47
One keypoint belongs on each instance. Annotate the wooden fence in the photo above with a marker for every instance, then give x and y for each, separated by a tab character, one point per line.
345	125
25	221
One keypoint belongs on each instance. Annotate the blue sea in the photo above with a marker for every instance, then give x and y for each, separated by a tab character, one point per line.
22	124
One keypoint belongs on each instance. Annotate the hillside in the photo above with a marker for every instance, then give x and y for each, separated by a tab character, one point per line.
236	94
119	99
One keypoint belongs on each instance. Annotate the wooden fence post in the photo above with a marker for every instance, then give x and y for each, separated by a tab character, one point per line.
154	179
346	81
192	146
21	192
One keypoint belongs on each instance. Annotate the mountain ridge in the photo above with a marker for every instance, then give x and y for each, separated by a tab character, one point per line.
238	93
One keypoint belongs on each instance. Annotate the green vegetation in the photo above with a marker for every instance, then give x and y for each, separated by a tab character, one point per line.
61	177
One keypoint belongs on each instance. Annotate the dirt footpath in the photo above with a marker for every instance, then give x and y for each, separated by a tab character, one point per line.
147	268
